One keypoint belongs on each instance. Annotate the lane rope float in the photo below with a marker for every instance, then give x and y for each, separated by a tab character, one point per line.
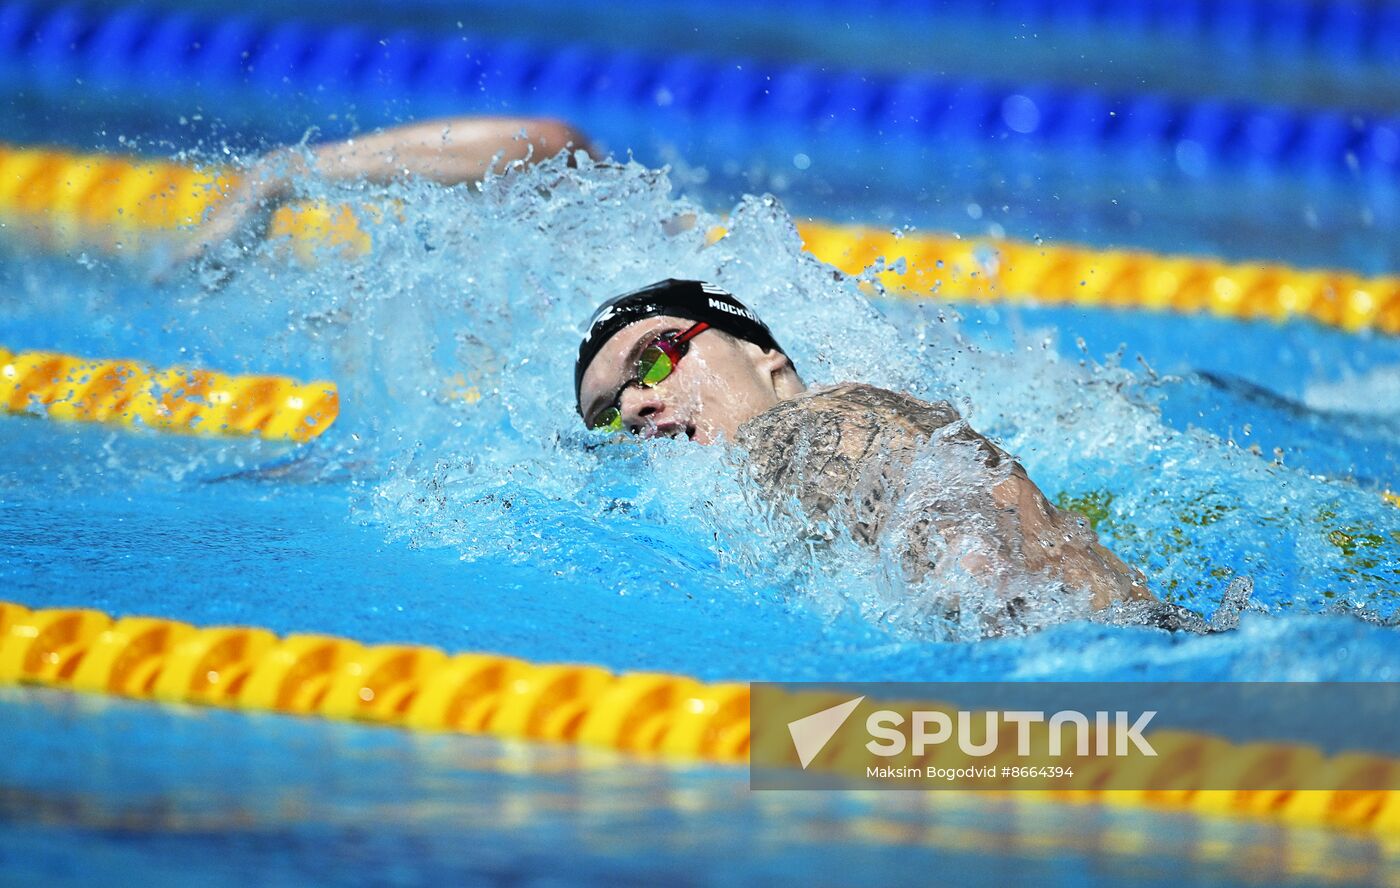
62	200
240	58
420	687
1340	34
189	401
983	270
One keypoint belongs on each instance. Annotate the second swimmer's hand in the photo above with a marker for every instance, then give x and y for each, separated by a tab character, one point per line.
241	217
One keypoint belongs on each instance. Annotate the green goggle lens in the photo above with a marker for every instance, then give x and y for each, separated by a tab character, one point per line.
610	420
654	366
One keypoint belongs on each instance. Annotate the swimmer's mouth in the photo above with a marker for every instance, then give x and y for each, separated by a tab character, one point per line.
673	430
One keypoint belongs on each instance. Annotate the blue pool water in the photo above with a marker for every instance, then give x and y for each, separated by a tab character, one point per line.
1164	193
495	526
109	792
501	503
1245	51
1211	448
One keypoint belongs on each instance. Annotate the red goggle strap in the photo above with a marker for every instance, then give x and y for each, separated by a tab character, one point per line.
672	345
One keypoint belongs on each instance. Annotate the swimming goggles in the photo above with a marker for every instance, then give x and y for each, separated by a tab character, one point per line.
656	362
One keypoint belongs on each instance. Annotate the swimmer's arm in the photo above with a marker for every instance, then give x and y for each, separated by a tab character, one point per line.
450	151
850	448
1025	532
1062	544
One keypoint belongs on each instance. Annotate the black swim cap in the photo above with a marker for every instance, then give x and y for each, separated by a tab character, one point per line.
695	300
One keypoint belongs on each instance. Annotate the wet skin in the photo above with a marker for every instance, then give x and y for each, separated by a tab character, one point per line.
845	451
720	383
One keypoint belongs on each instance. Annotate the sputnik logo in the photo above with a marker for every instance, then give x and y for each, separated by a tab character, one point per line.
811	733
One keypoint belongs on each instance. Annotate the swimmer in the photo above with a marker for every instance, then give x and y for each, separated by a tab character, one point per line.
842	451
450	151
686	358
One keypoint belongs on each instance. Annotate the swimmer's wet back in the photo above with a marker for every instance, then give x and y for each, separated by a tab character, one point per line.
967	524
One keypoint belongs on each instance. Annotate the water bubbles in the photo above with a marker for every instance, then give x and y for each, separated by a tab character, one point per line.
509	474
1020	114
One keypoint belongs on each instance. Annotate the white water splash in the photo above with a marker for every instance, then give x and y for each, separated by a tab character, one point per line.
485	291
1373	393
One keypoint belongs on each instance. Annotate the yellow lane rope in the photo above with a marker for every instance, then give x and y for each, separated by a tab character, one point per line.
63	200
177	399
982	270
421	687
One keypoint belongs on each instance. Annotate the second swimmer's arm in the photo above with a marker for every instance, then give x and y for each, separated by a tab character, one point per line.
450	151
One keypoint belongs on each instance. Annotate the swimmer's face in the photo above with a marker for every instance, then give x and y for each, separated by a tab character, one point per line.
721	383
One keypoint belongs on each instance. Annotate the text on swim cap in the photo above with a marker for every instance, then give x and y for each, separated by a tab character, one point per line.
733	309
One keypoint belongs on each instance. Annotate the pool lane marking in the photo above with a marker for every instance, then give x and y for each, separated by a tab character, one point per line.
176	399
643	713
63	200
983	270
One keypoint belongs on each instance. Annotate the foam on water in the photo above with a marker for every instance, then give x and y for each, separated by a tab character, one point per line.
1373	394
453	344
489	289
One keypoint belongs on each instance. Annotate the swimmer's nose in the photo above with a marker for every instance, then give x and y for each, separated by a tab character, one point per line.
641	408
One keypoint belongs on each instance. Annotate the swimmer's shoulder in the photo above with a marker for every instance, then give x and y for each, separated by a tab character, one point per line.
858	405
832	431
843	447
857	422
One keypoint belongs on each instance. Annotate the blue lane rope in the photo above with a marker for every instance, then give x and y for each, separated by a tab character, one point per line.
1339	30
1332	32
161	51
